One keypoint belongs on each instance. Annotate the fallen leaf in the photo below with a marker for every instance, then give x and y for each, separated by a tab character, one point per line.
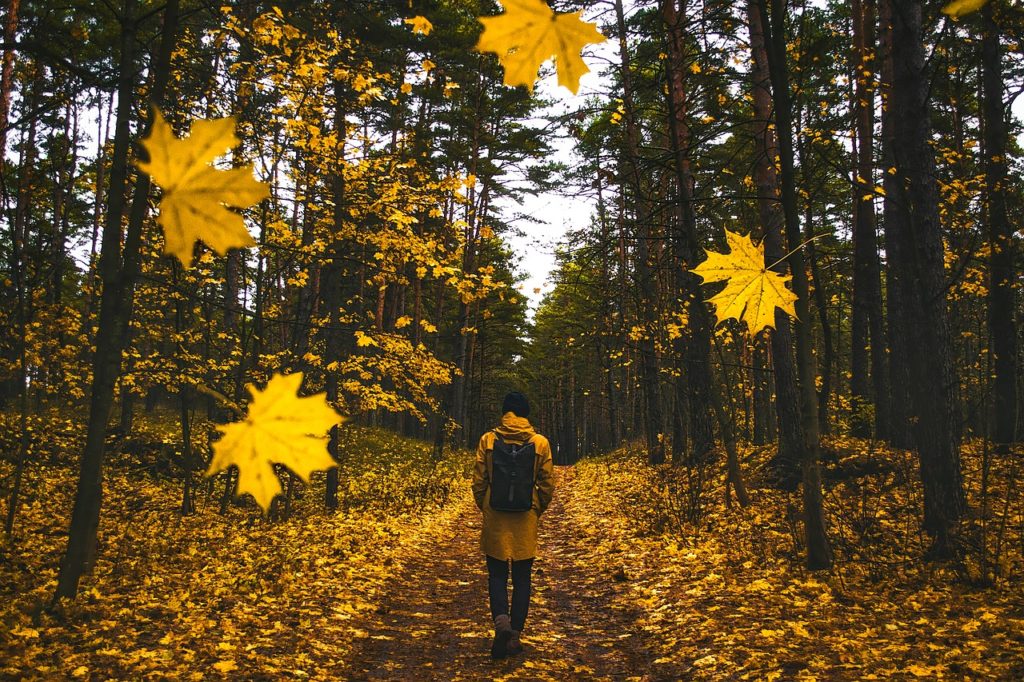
226	666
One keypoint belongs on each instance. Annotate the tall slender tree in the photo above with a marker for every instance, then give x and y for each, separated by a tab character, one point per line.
649	372
693	386
919	259
786	463
118	268
868	381
819	550
1002	271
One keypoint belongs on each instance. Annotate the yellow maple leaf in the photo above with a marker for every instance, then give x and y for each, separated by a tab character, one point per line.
959	8
226	666
280	427
195	194
529	33
363	340
420	25
752	291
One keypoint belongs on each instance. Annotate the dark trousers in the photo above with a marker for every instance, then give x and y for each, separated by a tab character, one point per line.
497	589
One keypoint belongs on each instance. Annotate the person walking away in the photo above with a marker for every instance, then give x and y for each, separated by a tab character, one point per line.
512	485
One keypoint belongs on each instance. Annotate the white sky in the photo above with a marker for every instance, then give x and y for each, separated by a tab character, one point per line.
557	213
553	214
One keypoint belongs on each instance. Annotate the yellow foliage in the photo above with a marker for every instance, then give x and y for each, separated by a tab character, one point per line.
725	592
960	8
420	25
363	339
279	598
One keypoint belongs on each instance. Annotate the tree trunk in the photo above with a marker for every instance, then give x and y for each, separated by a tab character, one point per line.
761	380
819	551
330	291
64	192
821	303
188	503
116	272
786	462
606	301
727	426
899	378
19	270
107	357
188	497
306	300
694	383
920	260
649	374
1001	304
6	72
866	386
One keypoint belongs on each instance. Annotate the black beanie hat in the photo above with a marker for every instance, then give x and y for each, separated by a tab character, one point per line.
516	402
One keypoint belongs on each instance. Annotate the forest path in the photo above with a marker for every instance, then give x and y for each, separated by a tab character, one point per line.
434	623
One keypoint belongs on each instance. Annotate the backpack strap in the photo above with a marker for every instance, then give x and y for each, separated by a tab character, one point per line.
490	460
498	438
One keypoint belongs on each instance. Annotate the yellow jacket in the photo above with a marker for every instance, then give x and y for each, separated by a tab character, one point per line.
512	535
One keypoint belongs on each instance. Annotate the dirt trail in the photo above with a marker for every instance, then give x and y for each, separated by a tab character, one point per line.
434	625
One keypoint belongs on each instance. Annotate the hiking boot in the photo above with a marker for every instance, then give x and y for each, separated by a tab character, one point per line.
514	645
502	635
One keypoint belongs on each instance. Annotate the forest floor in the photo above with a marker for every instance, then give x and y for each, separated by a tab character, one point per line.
434	623
393	585
613	605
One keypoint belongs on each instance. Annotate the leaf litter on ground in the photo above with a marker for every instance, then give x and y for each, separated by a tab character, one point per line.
628	584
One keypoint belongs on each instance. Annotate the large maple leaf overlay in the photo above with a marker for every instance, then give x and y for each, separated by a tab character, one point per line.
195	194
752	292
529	33
280	428
961	8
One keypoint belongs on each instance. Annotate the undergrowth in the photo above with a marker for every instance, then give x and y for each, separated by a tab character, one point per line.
726	594
170	595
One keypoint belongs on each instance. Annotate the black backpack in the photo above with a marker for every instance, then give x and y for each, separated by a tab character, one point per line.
512	475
